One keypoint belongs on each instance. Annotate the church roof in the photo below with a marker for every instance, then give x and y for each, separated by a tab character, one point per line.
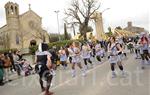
134	27
3	26
121	33
30	11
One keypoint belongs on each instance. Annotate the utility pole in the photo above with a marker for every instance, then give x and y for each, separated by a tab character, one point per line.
57	13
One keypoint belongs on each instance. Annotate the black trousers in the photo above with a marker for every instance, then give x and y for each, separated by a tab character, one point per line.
98	58
87	60
113	67
145	55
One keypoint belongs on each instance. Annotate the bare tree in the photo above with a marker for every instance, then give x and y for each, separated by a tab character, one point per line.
80	12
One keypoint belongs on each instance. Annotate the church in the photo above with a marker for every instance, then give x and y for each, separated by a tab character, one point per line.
21	30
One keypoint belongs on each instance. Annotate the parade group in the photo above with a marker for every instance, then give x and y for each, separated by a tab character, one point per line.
48	60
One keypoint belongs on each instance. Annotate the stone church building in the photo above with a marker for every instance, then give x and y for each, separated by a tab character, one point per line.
22	30
135	29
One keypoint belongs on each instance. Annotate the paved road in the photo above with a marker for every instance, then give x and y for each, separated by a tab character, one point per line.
97	82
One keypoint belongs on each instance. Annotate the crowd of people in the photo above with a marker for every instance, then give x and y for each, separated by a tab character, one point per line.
74	54
13	62
77	53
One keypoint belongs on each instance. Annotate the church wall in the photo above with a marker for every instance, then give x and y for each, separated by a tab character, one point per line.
14	39
3	31
29	29
21	28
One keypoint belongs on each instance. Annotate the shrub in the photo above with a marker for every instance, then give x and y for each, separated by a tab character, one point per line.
58	44
7	50
33	49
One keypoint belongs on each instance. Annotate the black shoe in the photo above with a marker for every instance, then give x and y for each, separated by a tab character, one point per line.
142	68
9	80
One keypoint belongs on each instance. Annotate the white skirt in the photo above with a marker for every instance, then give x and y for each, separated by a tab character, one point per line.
115	59
76	59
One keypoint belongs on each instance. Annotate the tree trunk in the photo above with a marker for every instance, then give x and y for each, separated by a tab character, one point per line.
83	31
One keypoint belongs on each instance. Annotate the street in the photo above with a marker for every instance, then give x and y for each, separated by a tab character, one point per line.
98	81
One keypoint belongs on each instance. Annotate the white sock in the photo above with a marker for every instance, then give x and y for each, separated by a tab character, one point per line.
142	62
83	72
86	67
73	73
148	61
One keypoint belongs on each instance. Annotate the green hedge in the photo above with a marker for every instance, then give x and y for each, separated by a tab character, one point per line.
58	44
7	50
33	49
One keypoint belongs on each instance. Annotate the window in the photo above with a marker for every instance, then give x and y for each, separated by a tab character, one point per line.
32	42
7	9
11	10
16	11
17	40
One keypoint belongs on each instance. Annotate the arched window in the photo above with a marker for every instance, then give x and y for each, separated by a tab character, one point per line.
17	39
16	11
11	10
32	42
7	10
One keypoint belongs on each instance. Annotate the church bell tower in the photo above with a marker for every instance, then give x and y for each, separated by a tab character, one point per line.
12	20
12	15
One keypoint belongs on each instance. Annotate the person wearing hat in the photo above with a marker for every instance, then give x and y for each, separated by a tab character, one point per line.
43	67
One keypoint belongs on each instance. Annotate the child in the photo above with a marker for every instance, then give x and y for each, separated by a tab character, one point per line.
98	51
76	59
86	54
26	67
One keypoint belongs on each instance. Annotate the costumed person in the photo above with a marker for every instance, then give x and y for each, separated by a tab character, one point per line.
54	59
86	55
98	51
144	49
76	59
43	67
115	51
70	51
63	57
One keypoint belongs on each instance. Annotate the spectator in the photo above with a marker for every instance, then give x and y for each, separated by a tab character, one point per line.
7	65
1	70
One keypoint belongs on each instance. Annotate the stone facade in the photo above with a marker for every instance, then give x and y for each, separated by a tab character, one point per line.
20	30
135	29
97	16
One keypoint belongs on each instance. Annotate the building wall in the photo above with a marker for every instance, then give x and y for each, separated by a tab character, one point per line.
21	30
31	28
132	28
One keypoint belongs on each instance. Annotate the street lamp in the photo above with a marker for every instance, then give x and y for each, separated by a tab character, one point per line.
57	12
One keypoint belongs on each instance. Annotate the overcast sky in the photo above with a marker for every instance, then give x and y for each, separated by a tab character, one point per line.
120	12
